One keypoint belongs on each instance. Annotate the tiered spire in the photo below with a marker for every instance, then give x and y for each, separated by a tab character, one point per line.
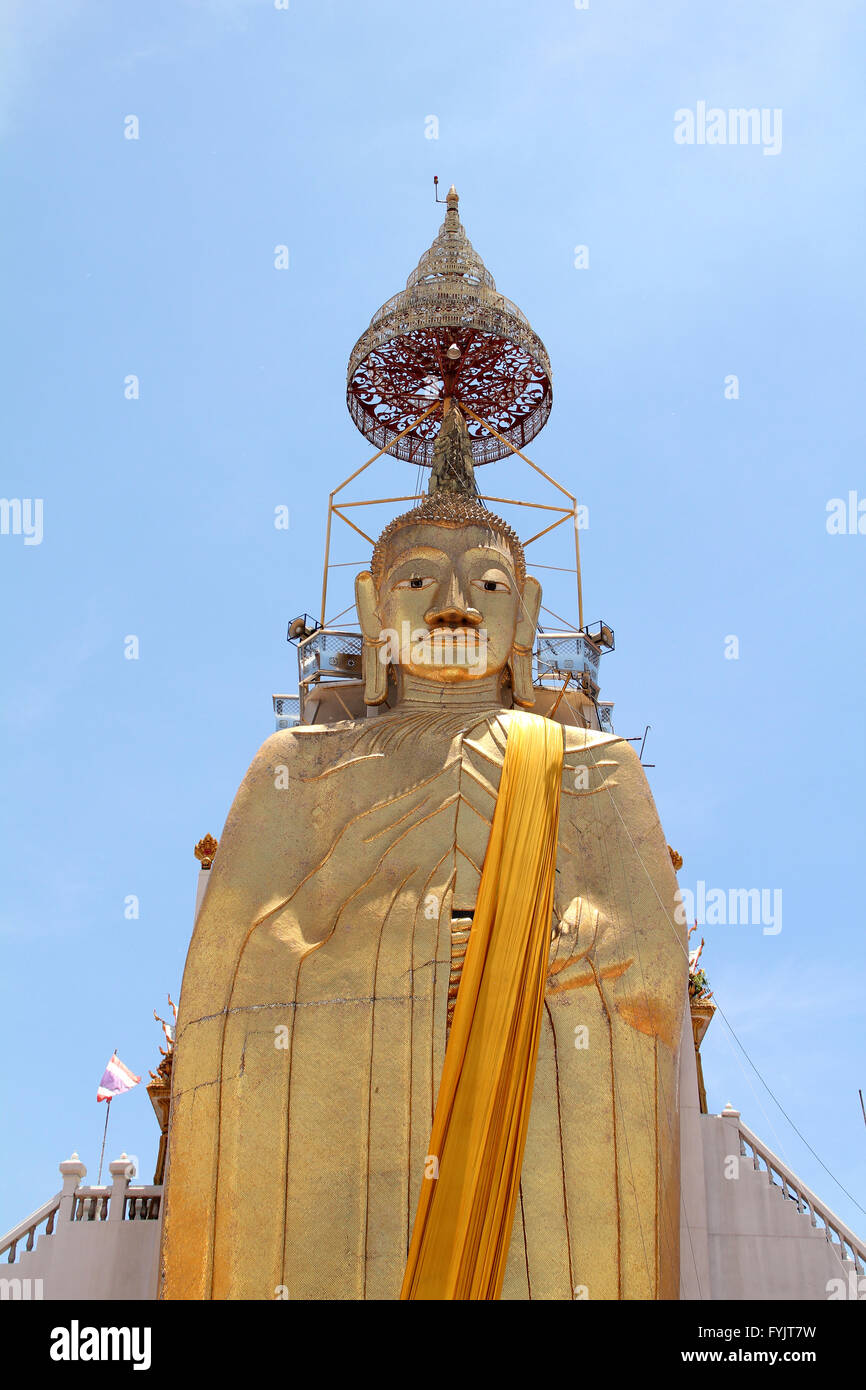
449	333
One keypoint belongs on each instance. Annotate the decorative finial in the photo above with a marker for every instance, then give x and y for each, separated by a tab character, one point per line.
163	1071
451	225
205	851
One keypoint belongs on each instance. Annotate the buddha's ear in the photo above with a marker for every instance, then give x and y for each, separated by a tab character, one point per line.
527	619
373	669
365	602
524	636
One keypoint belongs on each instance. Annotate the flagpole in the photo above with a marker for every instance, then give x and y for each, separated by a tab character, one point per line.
105	1129
104	1132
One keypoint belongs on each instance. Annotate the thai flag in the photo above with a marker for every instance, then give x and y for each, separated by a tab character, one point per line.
116	1079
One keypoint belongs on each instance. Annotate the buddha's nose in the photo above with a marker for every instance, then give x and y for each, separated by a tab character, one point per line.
453	616
455	611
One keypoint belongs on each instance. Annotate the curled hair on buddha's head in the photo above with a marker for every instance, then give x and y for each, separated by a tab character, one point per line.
451	509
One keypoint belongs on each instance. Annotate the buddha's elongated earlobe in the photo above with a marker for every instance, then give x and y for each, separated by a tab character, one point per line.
520	663
520	660
373	668
375	673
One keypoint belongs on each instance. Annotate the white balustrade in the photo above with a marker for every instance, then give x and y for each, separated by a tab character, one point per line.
121	1201
789	1186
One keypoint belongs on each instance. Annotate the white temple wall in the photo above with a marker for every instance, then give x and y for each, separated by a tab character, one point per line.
742	1236
98	1260
761	1247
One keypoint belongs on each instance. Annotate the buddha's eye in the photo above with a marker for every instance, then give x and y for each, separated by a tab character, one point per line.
492	585
415	582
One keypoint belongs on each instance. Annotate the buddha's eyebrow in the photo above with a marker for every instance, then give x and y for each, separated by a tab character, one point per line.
419	553
484	550
488	553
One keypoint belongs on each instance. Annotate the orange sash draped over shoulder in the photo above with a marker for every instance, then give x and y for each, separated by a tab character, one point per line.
462	1229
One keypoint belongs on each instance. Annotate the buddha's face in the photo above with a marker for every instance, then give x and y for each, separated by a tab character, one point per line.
449	600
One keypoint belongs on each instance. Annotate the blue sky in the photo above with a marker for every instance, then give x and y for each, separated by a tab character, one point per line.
155	257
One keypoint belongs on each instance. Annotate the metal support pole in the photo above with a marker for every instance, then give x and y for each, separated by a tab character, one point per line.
327	558
569	495
407	430
577	563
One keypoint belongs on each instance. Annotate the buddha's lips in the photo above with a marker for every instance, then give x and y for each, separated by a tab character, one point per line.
458	631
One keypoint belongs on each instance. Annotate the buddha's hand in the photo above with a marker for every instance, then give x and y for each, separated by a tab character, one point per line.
619	933
365	849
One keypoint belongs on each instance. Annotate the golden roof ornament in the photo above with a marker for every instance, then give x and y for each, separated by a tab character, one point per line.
701	1009
205	851
449	334
159	1087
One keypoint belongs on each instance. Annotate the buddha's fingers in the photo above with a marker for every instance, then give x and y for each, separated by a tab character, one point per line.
362	852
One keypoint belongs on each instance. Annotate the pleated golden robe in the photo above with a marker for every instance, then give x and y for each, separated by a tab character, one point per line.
314	1013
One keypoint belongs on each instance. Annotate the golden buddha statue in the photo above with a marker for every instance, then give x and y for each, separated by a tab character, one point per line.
326	963
427	1043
